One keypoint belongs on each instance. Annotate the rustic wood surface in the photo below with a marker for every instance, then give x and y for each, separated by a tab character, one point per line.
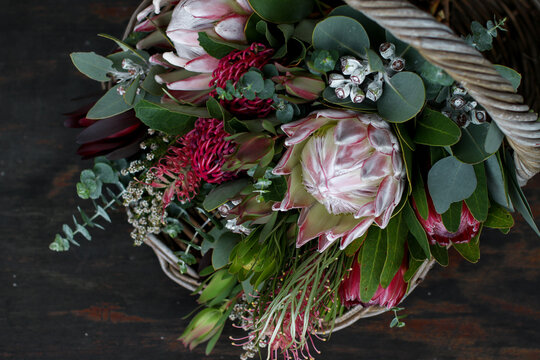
110	300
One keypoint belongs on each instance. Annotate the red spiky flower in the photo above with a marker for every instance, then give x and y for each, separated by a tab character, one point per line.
232	67
197	156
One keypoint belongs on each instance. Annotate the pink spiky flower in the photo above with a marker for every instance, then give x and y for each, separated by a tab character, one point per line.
197	156
344	171
232	67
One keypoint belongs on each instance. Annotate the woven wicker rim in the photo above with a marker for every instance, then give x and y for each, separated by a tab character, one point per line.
442	47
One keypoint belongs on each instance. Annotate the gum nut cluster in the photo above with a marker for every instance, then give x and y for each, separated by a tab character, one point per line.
345	172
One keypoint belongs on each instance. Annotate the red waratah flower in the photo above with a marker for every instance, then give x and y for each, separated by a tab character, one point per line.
437	232
116	137
349	290
197	156
232	67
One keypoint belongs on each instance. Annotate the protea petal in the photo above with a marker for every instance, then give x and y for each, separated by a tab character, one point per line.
231	28
210	9
197	82
296	196
349	131
355	233
313	222
289	160
202	64
380	139
174	59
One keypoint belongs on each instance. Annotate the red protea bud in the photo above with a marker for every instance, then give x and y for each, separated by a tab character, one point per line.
389	297
437	232
231	68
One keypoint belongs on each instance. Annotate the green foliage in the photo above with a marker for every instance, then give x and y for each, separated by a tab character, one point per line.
342	34
417	232
478	202
91	187
471	148
435	129
214	47
94	66
324	60
110	104
223	193
396	321
282	11
372	263
396	235
172	119
250	86
471	250
449	181
403	97
509	74
482	37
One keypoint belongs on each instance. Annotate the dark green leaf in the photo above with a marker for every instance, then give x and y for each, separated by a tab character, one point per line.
499	218
223	193
396	235
440	254
375	31
435	74
131	91
449	181
94	66
171	119
110	104
282	11
150	85
471	250
414	265
215	47
419	195
342	34
452	217
471	148
416	228
403	97
276	190
478	202
516	194
373	257
415	249
374	60
141	54
217	111
435	129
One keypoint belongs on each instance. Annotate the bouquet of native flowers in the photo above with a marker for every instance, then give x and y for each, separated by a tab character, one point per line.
299	162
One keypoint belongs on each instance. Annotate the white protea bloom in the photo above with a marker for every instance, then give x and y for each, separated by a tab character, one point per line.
345	171
220	19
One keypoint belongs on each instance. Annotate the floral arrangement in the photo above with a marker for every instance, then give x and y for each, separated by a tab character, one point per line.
299	159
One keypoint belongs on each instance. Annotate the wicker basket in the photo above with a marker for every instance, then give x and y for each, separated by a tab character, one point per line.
439	44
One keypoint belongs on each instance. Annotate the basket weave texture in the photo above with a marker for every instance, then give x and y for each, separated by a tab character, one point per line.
441	46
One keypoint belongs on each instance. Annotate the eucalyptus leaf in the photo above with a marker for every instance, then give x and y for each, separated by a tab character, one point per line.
471	148
449	181
403	97
223	193
150	84
509	74
110	104
342	34
497	182
494	138
375	31
435	129
222	249
94	66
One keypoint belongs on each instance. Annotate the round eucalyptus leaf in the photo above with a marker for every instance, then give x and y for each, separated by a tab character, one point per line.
403	97
342	34
449	181
471	148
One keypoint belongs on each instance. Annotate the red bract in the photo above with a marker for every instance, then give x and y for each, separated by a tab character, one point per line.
389	297
197	156
437	232
232	67
116	137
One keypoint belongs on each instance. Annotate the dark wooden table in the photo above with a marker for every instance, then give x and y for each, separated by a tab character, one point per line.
109	300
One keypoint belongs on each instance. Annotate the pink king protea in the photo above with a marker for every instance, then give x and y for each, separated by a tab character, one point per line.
437	232
345	172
